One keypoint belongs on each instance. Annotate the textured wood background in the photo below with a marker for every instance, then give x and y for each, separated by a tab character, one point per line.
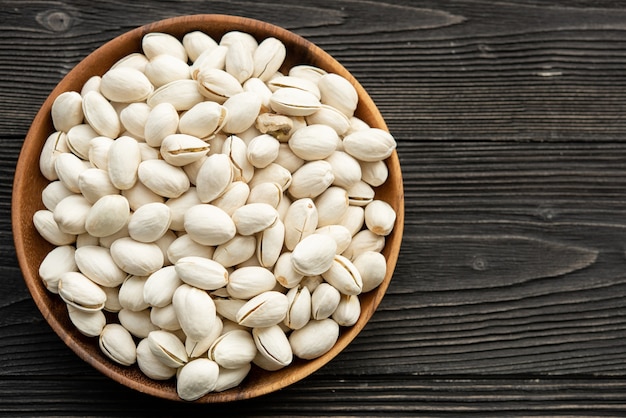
508	298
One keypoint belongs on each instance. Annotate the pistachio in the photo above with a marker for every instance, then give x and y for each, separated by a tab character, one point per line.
162	121
160	286
137	258
164	69
68	168
77	290
339	233
214	176
100	115
196	378
217	85
123	160
53	193
78	138
331	206
235	196
165	317
195	311
67	111
182	149
184	246
270	244
157	43
236	150
239	61
294	102
374	173
166	347
363	241
264	310
151	365
285	273
315	339
235	251
346	169
96	263
90	323
274	351
233	349
149	222
380	217
71	213
99	152
348	311
95	183
125	85
262	150
248	282
48	228
314	142
203	120
58	261
299	310
324	301
268	58
311	179
360	194
254	217
196	42
117	343
131	293
332	117
373	267
55	145
108	215
230	378
162	178
139	195
314	254
209	225
201	272
300	221
181	94
370	145
138	323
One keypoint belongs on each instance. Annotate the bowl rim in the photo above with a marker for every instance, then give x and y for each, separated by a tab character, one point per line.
23	229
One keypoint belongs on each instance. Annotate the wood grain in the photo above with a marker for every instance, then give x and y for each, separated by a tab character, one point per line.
508	297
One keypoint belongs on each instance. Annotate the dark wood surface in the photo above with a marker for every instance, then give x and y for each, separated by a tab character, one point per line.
508	297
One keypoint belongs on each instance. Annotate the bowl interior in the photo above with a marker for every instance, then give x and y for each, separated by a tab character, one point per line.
28	184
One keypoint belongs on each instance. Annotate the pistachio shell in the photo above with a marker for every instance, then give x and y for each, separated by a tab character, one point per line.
254	217
108	215
95	183
101	115
339	93
150	365
300	221
117	344
346	169
99	151
134	118
331	206
211	58
380	217
134	60
68	168
230	378
329	116
201	272
294	102
138	323
353	219
233	349
316	338
372	266
160	286
285	273
125	85
196	42
195	311
273	347
182	94
77	290
236	150
360	194
123	160
262	150
71	213
308	72
287	159
299	311
311	179
165	318
209	225
270	244
53	193
235	196
58	261
162	121
273	173
314	254
344	276
78	138
264	310
96	263
214	177
248	282
55	145
348	311
90	324
162	178
179	205
139	195
131	293
167	348
324	301
184	246
157	43
67	110
314	142
199	348
294	82
197	378
239	61
362	241
370	145
183	149
374	173
164	69
48	228
217	85
203	120
235	251
137	258
268	58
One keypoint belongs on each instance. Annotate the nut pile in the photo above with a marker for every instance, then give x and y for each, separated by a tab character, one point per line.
222	212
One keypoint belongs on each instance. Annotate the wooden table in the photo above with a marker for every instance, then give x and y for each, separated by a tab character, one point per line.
508	298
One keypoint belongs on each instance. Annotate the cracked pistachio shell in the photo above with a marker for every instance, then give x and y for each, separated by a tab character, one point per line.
96	263
380	217
346	169
268	57
196	42
99	151
71	213
183	149
269	193
134	60
284	271
160	286
138	323
214	176
228	307
348	311
362	241
150	365
131	293
269	244
53	193
211	58
248	282
339	93
78	138
195	311
125	85
95	183
203	120
254	217
236	150
299	311
262	150
123	161
164	69
196	378
274	350
68	168
372	144
233	349
311	180
201	272
316	338
314	254
100	114
49	230
181	94
167	348
344	276
372	266
77	290
162	121
197	348
282	81
331	205
314	142
67	111
339	233
184	246
308	72
294	102
137	258
360	194
235	251
90	324
324	300
157	43
217	85
163	179
108	215
209	225
55	145
230	378
117	343
264	310
300	221
58	261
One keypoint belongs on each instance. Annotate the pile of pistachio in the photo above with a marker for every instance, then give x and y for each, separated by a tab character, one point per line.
222	212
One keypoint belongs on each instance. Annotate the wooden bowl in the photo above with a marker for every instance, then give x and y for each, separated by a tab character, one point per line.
29	183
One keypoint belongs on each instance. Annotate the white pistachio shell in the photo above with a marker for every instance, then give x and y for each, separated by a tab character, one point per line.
167	348
100	115
203	120
273	173
90	324
195	311
264	310
372	266
196	42
201	272
77	290
299	311
53	193
269	244
214	176
209	225
163	179
182	149
164	69
284	271
230	378
157	43
196	378
339	93
360	194
300	221
181	94
58	261
273	347
248	282
363	241
96	263
339	233
160	286
346	169
217	85
316	338
331	206
125	85
138	323
137	258
236	150
324	300
268	58
314	142
263	150
71	213
254	217
344	276
311	180
184	246
380	217
117	343
123	161
78	138
197	348
348	311
55	145
48	228
131	293
233	349
165	318
294	102
68	168
162	121
330	116
235	196
67	110
314	254
235	251
108	215
149	222
374	173
150	365
95	183
371	144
